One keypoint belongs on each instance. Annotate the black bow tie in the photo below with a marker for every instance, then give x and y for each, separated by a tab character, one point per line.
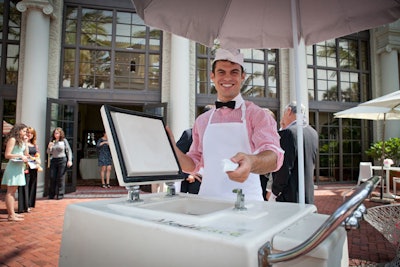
229	104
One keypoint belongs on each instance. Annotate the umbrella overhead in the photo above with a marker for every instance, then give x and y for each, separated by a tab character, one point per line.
265	23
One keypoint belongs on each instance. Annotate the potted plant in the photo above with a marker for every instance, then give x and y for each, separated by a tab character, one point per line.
392	150
392	153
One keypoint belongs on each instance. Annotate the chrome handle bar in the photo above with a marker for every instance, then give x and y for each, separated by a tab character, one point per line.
265	256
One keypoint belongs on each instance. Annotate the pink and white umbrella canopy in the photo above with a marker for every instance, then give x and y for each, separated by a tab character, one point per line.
265	23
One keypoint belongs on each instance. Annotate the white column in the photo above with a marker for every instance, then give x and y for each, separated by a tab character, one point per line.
390	82
390	70
179	100
32	95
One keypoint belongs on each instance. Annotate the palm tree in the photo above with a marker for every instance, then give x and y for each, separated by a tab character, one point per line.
95	64
347	54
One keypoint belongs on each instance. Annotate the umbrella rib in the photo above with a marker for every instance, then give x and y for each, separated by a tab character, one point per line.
228	4
298	23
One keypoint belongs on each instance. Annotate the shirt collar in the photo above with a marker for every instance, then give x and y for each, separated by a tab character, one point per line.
295	122
238	101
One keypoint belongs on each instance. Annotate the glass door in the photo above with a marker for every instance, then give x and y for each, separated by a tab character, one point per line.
159	109
64	114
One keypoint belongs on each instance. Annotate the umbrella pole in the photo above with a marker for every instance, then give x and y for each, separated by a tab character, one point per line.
299	114
382	178
383	154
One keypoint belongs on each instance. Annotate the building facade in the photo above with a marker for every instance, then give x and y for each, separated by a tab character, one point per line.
62	60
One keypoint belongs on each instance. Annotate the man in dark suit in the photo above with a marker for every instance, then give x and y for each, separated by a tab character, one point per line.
191	183
285	186
266	179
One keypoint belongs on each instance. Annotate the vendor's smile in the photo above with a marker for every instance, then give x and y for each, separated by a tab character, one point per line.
227	85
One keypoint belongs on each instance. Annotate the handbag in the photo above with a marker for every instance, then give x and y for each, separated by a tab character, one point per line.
67	147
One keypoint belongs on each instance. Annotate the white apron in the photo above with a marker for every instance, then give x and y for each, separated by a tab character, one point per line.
223	141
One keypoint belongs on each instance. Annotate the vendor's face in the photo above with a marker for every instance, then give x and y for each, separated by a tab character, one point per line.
228	78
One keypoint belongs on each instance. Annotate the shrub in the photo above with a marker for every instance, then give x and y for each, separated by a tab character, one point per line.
392	150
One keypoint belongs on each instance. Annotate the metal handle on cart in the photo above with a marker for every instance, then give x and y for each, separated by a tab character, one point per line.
265	256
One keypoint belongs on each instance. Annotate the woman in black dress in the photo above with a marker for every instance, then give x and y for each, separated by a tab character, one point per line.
105	160
27	193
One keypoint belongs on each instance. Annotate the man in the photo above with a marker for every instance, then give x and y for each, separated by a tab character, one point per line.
266	179
285	186
242	132
191	183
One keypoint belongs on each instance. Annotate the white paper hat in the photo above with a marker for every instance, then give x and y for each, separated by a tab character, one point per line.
232	55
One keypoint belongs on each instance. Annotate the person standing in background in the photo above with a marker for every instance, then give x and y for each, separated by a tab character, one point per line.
61	158
105	160
191	183
285	187
23	192
17	153
266	179
32	171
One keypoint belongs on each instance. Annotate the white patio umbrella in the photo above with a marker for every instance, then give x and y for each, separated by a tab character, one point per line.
268	24
383	108
370	113
391	100
378	113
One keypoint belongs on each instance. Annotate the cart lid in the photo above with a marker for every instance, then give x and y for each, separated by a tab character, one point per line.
140	147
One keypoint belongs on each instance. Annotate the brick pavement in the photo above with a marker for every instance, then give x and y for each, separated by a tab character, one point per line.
36	240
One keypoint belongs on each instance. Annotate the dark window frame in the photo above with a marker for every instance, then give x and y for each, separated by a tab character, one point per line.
148	94
354	144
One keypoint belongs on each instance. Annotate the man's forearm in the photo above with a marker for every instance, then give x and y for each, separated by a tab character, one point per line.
186	162
264	162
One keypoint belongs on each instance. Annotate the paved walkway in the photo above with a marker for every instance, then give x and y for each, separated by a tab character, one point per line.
36	240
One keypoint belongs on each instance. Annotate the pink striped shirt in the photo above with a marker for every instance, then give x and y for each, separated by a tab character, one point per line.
261	128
